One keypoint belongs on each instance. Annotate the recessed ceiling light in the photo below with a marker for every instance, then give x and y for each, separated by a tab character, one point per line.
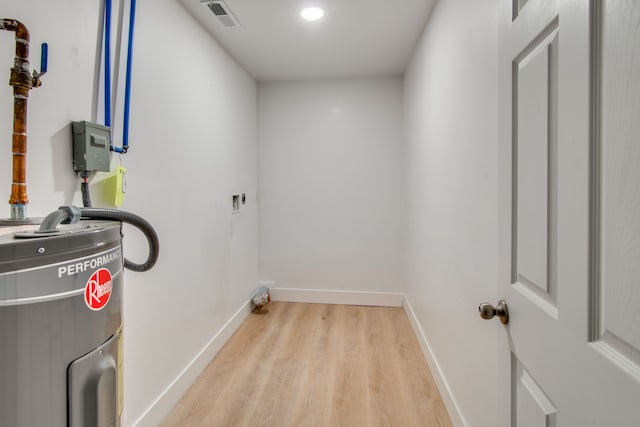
312	13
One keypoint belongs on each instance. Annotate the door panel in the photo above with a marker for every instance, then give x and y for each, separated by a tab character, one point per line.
618	225
531	406
570	211
532	123
535	138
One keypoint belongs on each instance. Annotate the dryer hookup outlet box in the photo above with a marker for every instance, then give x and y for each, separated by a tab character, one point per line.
91	143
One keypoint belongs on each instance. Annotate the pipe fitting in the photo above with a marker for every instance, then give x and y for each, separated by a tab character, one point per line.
18	212
21	79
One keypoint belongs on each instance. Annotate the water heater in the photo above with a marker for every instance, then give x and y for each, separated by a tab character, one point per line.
60	326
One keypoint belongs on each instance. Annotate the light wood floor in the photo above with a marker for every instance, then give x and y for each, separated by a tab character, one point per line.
316	365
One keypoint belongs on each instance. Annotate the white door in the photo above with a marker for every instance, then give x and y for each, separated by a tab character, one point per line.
570	211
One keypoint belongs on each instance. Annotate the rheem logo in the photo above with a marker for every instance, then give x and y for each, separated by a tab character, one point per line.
97	292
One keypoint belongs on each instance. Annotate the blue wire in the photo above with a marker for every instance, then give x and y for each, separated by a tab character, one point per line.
127	88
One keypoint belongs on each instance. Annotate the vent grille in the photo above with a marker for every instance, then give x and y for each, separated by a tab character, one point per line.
217	9
222	13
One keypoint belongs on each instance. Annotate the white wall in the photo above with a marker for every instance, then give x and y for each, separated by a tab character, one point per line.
193	136
331	184
451	129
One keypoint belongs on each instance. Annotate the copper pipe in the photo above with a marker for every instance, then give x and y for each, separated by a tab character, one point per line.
22	82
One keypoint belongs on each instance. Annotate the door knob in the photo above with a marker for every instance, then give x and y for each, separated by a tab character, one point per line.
487	311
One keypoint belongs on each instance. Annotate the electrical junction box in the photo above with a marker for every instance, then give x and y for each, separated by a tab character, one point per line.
91	143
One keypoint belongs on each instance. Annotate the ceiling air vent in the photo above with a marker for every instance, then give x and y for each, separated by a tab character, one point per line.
222	12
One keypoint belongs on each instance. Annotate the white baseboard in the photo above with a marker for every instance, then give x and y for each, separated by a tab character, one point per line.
162	406
318	296
443	387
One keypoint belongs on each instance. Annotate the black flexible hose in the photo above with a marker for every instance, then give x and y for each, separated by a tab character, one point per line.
72	214
84	189
86	195
138	222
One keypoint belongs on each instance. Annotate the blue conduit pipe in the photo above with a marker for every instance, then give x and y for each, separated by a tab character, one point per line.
107	74
107	62
127	88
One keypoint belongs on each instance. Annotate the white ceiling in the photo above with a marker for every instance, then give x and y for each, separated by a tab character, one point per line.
354	38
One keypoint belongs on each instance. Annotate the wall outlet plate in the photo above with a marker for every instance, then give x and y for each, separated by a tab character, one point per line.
235	203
